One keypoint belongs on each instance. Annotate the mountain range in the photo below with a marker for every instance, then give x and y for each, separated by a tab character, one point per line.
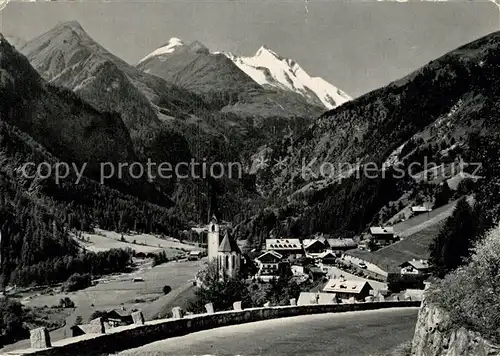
266	68
65	97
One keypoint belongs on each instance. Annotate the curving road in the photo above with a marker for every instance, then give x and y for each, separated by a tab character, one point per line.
347	334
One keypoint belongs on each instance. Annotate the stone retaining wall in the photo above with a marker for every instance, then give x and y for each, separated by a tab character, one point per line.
132	336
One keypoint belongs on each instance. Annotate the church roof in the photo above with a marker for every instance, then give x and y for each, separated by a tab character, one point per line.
228	244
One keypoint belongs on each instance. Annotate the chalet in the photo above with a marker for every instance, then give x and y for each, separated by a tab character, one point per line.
327	258
341	245
381	235
117	317
268	263
285	247
415	267
345	289
313	246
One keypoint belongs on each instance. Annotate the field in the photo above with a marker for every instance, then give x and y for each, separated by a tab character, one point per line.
102	240
415	246
119	291
416	233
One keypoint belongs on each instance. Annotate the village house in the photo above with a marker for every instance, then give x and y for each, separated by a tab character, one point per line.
382	236
285	247
313	246
327	258
415	267
268	263
345	289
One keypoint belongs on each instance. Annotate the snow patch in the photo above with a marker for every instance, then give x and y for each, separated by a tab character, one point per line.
173	44
267	67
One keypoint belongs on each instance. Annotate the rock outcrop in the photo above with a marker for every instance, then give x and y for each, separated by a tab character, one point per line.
435	335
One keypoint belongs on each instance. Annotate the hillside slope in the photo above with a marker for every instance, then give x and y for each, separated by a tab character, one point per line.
436	114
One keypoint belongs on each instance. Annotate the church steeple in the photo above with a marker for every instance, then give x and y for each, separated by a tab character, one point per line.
228	244
228	256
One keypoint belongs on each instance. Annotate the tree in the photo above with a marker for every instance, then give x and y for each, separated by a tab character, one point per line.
66	302
471	294
219	290
78	320
450	248
442	195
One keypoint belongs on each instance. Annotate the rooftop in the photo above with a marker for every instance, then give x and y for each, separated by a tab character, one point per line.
228	244
381	230
418	264
283	244
272	253
420	209
340	285
341	243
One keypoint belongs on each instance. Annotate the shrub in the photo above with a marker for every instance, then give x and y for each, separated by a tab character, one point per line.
98	314
78	320
77	281
397	282
167	289
66	303
11	321
471	294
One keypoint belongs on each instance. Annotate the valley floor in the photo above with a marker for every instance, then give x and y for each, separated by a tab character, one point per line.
117	291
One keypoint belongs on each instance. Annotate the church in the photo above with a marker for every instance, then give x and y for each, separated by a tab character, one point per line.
225	253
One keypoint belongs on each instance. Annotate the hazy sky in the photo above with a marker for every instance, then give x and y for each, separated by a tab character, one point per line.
357	46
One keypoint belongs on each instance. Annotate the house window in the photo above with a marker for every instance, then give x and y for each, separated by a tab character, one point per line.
213	228
227	262
234	261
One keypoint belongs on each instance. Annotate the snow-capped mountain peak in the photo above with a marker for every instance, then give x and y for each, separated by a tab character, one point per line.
266	51
173	44
268	68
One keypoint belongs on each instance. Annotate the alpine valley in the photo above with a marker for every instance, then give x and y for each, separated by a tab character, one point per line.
63	97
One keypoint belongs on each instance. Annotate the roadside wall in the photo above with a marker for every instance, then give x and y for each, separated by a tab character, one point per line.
132	336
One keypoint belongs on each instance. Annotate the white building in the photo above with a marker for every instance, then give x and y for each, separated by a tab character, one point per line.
415	267
268	263
345	289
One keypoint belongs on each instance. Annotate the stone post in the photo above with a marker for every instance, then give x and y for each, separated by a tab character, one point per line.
267	304
40	338
177	313
237	306
293	302
138	318
210	308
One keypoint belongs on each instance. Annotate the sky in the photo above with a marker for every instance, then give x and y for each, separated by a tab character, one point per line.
357	46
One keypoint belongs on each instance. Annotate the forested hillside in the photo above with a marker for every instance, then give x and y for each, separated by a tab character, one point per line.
437	113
